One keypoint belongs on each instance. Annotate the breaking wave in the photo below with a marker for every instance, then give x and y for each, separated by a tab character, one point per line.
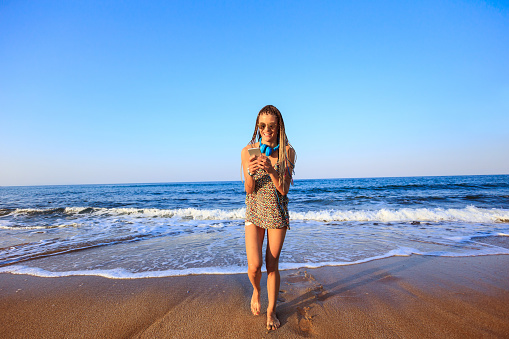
467	214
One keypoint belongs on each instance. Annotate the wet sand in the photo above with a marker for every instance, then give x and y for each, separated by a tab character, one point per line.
406	297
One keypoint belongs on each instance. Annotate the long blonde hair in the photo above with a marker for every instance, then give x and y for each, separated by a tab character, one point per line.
286	167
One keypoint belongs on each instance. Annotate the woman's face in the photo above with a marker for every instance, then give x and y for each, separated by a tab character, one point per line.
268	126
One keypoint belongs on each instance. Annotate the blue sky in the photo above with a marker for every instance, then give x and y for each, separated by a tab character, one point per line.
117	92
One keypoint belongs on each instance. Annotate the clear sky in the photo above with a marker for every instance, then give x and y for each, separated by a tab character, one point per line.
148	91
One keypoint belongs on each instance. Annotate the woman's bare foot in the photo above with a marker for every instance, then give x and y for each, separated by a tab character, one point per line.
255	303
272	321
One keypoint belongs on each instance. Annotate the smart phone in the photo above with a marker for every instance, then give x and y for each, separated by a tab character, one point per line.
254	151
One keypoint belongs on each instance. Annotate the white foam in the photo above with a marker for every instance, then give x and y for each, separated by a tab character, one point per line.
470	237
120	273
37	227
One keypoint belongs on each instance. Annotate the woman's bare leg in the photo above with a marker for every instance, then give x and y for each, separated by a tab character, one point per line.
254	241
275	239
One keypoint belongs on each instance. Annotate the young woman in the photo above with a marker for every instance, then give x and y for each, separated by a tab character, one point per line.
268	177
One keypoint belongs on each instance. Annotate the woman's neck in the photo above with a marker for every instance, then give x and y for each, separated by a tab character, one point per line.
270	144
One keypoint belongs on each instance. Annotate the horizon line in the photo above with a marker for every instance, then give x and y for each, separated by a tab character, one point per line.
218	181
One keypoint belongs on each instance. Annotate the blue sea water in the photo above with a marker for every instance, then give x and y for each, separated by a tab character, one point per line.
164	229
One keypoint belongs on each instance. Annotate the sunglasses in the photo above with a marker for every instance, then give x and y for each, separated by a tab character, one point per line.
262	126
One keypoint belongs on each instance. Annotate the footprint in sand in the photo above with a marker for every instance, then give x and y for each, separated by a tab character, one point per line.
305	320
302	286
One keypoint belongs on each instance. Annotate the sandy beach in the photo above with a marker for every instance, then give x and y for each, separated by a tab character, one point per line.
405	297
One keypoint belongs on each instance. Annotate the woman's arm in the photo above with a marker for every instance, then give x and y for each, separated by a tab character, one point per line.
248	163
274	175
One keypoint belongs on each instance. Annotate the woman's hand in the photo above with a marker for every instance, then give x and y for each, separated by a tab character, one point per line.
253	164
265	163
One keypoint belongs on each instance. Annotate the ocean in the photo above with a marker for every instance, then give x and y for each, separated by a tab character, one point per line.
168	229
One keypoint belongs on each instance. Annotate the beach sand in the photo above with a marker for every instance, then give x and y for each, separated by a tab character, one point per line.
398	297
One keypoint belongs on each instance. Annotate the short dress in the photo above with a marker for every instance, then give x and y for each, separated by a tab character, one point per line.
266	207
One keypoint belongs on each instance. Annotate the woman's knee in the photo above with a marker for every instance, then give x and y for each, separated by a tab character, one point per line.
254	268
272	265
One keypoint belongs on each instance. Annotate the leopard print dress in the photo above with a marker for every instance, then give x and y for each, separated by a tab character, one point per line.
266	207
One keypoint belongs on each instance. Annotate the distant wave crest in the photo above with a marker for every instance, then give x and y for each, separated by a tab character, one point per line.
184	213
467	214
